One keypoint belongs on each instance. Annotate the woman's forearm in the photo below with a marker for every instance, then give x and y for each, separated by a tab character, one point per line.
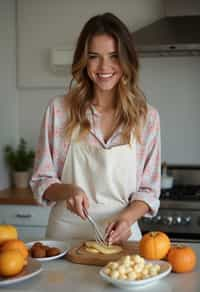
120	229
57	192
134	211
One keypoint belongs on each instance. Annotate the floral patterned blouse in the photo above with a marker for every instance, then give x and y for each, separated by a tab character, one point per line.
53	147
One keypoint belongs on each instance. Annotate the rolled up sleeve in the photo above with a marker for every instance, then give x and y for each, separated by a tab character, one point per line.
149	164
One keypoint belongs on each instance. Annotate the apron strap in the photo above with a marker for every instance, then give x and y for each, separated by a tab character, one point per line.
132	138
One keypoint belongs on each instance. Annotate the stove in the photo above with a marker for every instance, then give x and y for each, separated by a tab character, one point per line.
179	213
181	193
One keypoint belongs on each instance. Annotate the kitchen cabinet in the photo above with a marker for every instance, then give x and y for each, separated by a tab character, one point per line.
31	221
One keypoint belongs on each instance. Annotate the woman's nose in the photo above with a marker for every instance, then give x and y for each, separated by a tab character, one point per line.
104	63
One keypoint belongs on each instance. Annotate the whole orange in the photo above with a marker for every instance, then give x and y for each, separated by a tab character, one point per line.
154	245
7	232
11	263
15	244
182	258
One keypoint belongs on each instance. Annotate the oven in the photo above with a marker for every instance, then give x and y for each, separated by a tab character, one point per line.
179	213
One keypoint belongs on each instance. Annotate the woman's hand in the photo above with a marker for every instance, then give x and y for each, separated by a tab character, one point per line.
120	228
118	231
76	200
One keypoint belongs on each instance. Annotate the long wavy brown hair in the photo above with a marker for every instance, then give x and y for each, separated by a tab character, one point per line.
131	106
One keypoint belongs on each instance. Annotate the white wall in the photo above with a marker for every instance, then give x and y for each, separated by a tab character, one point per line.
8	96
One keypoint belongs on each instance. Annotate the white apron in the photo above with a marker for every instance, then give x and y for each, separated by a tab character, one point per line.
108	177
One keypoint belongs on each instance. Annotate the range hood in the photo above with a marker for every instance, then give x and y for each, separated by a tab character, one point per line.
170	36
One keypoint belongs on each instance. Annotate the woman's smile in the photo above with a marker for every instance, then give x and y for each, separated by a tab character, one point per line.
104	76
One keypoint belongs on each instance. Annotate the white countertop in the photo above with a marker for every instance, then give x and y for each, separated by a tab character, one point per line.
61	275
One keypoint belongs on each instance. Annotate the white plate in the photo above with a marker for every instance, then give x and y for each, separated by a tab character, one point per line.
131	284
30	270
62	245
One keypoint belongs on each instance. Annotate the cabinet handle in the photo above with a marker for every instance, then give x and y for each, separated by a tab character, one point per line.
23	215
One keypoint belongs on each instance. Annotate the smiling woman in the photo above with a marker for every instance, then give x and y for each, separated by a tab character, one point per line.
99	148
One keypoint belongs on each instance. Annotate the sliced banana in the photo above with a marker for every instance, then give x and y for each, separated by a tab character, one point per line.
92	250
104	249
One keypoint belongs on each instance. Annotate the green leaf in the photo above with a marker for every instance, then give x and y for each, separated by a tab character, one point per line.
21	158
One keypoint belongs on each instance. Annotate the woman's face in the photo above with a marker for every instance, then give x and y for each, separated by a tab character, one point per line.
103	65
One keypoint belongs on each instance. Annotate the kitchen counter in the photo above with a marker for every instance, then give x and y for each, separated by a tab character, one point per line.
61	275
14	196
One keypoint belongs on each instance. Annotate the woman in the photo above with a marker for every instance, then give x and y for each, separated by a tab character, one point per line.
99	148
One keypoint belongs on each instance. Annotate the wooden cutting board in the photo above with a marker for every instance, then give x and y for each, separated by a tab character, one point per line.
79	255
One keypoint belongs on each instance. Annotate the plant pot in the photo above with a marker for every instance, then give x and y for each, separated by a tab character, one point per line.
21	179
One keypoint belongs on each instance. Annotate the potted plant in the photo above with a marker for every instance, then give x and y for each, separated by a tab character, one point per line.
20	161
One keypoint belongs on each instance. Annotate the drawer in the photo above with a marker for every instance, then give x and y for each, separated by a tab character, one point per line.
31	233
24	215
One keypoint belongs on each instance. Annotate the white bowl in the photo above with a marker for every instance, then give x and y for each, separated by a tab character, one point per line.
132	284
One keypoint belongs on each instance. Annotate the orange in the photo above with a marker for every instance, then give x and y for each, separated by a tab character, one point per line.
11	263
154	245
15	244
7	232
182	258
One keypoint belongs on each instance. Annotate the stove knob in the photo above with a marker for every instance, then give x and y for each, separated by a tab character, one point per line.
167	220
146	220
156	219
187	220
177	220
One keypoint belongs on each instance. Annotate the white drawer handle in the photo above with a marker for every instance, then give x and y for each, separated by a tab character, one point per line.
23	215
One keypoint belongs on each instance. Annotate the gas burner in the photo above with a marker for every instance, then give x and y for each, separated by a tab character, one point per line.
182	192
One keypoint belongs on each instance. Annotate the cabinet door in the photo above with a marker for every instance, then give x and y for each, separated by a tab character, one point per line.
31	233
24	215
30	221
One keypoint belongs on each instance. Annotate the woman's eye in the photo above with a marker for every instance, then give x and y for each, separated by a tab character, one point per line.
92	57
114	56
